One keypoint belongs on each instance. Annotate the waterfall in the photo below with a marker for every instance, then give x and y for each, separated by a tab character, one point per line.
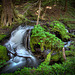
18	48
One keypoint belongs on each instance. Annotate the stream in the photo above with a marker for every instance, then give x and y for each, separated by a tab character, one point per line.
18	47
19	51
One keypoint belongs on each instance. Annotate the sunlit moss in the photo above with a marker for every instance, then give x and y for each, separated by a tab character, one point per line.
3	53
59	27
47	60
45	39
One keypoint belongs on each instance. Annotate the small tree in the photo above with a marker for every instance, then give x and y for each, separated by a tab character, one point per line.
39	12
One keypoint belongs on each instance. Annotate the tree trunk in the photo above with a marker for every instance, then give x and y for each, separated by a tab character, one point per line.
64	56
7	13
39	12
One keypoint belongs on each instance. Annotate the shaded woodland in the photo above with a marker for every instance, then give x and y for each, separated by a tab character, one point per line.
51	41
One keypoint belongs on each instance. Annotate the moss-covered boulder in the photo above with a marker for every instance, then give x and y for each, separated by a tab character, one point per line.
3	53
59	28
46	40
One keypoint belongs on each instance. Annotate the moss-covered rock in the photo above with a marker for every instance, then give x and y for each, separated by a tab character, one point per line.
59	28
3	53
44	39
2	36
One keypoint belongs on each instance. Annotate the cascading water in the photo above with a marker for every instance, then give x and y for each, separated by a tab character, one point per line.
19	50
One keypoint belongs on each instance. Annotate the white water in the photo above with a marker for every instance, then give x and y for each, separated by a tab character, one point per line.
15	45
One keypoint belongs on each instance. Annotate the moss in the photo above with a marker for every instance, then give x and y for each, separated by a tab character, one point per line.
66	68
59	27
71	26
72	47
2	36
3	53
68	19
71	35
44	39
70	53
55	57
2	63
47	60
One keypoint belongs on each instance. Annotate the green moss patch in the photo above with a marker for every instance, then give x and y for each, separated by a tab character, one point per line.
3	53
2	36
44	39
71	26
59	27
2	63
55	57
70	53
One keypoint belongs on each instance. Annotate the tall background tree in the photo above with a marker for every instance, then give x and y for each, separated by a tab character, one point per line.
7	12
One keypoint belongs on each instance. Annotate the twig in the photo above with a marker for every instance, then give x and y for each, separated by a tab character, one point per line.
15	54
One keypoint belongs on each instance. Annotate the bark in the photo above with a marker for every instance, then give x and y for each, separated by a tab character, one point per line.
7	13
64	56
39	12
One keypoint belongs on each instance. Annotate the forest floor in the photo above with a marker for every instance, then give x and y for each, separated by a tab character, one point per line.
50	13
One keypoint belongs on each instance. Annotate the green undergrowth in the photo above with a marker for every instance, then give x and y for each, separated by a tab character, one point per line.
45	39
56	57
3	56
70	53
72	46
2	63
71	26
59	27
67	19
71	35
66	68
2	36
3	53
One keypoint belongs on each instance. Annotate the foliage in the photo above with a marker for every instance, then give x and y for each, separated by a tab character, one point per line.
47	60
2	63
2	36
56	57
66	68
3	53
72	47
44	39
70	53
71	26
59	27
